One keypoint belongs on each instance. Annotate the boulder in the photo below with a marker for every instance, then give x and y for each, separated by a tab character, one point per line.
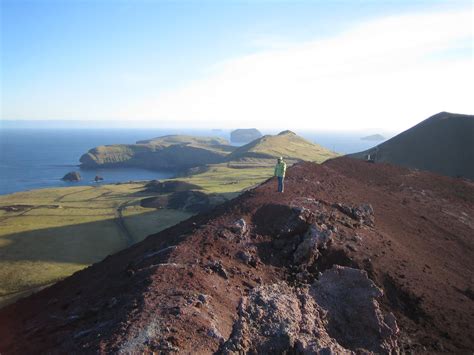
72	176
218	268
337	315
282	221
354	316
240	227
317	237
276	319
363	213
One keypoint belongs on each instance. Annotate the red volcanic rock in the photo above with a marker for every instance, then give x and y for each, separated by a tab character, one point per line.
393	276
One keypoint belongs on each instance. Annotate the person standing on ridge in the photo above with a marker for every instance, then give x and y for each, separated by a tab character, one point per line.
280	171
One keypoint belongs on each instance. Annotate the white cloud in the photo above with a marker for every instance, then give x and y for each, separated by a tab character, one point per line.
389	73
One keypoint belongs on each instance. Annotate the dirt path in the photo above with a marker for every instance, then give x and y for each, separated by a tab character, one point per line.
60	198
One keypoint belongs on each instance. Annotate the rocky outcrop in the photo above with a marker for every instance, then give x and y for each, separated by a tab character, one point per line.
275	319
72	176
354	316
337	314
244	135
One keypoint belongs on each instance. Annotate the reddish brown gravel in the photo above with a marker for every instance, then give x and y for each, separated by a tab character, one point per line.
180	289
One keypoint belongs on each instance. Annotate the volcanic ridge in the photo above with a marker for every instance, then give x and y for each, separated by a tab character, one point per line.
352	258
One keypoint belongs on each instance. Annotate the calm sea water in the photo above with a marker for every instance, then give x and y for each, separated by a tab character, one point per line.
39	158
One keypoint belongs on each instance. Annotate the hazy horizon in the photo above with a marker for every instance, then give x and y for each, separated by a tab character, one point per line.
140	125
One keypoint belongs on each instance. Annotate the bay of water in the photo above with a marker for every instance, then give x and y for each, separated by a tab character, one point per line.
39	158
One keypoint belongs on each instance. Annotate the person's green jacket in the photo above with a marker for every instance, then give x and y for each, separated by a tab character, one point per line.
280	169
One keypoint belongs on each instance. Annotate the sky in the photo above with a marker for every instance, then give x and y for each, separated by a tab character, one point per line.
324	65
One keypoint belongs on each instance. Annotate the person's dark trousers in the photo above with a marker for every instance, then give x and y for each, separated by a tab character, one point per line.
281	184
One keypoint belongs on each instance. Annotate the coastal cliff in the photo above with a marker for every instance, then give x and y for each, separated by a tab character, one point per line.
174	152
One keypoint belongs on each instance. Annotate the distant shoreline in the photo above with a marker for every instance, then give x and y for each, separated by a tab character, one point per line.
39	158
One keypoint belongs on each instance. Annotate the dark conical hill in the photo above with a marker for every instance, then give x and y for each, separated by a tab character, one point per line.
443	143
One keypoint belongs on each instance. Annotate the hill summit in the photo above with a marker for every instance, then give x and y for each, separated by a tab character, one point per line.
286	144
443	143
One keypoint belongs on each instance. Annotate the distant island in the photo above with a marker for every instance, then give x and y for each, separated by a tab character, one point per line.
244	135
374	138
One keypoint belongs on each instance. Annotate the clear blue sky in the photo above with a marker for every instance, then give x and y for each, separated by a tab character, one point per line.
108	59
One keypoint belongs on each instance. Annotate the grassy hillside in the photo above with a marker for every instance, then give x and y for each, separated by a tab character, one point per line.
286	144
48	234
222	178
185	139
443	143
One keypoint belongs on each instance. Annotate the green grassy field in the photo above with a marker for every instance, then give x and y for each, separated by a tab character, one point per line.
49	234
56	232
222	179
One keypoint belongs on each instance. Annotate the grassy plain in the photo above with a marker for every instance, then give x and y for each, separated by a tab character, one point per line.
222	179
52	233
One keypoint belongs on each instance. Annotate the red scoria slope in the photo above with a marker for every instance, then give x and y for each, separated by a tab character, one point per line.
183	289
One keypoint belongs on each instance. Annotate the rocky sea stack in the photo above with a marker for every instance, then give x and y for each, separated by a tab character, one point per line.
72	176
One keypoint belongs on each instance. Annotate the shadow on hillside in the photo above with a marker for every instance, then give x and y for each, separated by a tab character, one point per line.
84	243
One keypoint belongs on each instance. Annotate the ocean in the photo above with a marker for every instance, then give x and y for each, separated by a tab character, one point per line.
39	158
